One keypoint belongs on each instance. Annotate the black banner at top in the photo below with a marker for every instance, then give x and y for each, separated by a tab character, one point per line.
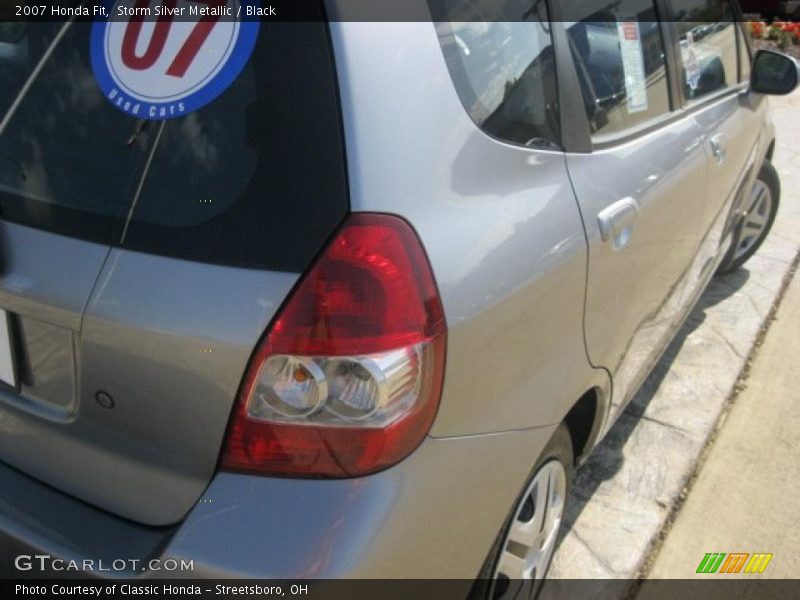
315	10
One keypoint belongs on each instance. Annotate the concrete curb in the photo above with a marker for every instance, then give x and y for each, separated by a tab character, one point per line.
625	494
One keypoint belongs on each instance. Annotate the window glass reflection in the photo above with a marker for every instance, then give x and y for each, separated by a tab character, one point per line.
707	46
619	54
504	71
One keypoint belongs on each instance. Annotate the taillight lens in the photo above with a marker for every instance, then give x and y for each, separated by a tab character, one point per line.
347	380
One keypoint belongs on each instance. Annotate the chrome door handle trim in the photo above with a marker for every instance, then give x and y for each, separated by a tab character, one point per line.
616	222
718	149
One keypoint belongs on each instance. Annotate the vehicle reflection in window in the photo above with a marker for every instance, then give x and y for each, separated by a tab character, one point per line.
619	53
708	46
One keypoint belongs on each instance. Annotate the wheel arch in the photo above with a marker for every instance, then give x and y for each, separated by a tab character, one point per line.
770	150
587	419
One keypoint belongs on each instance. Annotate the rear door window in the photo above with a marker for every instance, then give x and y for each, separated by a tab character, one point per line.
619	54
254	178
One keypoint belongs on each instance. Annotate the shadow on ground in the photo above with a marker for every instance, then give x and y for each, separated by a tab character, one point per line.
607	459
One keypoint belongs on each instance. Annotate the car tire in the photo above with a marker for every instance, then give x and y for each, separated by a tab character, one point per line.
755	225
509	553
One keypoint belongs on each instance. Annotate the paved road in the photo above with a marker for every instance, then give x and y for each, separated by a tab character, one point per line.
746	495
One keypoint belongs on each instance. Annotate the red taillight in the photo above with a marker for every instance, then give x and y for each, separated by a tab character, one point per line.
347	380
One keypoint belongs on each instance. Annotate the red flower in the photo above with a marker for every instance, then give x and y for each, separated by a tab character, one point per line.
757	29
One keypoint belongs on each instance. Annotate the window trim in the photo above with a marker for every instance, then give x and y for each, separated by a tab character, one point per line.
673	117
575	132
744	39
672	53
633	133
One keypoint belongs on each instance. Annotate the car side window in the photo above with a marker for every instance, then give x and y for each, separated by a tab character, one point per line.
619	54
504	72
708	48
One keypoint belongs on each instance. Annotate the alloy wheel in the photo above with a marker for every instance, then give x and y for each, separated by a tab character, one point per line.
531	538
756	220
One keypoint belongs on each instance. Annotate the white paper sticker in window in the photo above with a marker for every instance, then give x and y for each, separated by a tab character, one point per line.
630	40
690	62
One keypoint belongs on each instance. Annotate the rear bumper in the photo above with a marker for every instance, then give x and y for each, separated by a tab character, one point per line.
36	519
435	515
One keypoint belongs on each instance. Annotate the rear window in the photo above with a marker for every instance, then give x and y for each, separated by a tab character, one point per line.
253	178
65	164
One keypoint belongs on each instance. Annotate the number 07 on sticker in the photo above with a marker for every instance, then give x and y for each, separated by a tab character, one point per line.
162	59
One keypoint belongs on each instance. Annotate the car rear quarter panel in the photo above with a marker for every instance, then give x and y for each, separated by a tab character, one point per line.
433	516
499	223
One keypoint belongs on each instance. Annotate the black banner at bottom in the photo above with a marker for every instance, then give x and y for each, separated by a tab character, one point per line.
713	588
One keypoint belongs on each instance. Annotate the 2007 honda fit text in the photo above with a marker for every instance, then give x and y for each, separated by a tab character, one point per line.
348	299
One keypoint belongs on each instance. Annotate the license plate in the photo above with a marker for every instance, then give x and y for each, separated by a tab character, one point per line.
8	371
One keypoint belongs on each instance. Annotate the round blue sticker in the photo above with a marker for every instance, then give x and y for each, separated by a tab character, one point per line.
165	59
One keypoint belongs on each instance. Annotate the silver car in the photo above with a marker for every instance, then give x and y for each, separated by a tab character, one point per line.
349	299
